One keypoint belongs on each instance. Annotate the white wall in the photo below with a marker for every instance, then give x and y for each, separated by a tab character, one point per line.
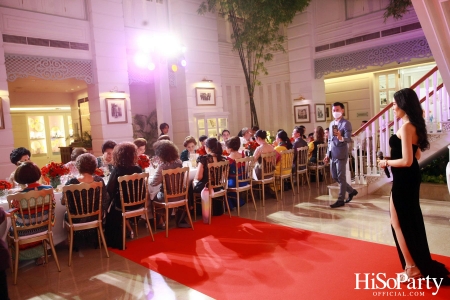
355	90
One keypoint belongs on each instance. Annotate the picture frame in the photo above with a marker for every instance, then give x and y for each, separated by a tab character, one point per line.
116	110
328	112
346	112
301	114
320	112
2	120
205	96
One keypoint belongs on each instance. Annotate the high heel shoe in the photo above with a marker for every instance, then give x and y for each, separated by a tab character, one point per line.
131	234
407	276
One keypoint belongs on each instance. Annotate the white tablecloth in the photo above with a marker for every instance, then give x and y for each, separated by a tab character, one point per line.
59	233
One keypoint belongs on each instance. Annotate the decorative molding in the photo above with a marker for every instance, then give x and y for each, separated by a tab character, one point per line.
445	126
172	79
378	56
50	68
433	137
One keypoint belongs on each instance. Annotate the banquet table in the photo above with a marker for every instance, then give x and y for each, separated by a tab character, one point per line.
59	233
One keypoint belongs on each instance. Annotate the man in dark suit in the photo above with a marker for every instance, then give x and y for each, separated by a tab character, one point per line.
341	134
299	142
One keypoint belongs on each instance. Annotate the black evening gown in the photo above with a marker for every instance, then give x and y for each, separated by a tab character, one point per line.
405	196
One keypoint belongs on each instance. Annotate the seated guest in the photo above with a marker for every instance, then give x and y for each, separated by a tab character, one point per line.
202	141
245	137
310	138
233	145
225	138
318	139
163	137
213	154
106	160
140	144
124	160
298	143
18	156
189	144
263	148
284	143
28	174
167	153
73	171
86	165
164	127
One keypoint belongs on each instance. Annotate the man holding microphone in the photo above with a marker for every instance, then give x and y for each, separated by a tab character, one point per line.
337	154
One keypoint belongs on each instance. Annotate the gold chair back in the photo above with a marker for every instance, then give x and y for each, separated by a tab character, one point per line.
302	159
133	189
176	183
83	200
244	171
35	210
321	153
218	174
268	164
287	159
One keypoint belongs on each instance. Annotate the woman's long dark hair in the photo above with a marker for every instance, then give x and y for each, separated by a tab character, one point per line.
214	145
408	101
282	135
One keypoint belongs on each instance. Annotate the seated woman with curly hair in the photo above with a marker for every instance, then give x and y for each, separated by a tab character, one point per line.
73	157
167	153
189	144
124	160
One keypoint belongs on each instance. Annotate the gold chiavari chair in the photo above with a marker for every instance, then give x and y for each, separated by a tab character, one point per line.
319	165
217	182
244	177
84	211
267	166
302	166
32	222
285	170
133	197
175	185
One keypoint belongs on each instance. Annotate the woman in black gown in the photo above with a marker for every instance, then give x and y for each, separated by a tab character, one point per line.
406	216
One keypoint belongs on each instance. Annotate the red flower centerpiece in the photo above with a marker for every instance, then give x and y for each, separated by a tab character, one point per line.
4	187
201	150
52	172
143	161
251	147
99	172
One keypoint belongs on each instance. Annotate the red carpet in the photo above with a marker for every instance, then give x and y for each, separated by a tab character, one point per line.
244	259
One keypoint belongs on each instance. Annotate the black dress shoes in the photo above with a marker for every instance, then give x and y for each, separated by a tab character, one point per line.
351	195
338	203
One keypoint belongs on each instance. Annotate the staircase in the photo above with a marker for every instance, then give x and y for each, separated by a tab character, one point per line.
374	135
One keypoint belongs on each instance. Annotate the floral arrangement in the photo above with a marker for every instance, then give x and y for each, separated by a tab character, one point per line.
201	150
99	172
53	171
251	147
270	138
143	161
5	185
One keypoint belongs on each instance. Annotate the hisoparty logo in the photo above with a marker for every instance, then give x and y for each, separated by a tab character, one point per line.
379	281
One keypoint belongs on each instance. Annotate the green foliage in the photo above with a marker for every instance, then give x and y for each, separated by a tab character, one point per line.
256	33
435	171
82	141
146	127
397	8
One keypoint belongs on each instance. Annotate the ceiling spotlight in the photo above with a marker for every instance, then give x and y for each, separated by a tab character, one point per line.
174	67
183	62
141	60
151	66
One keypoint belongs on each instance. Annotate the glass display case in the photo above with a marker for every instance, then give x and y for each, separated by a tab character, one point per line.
211	124
38	137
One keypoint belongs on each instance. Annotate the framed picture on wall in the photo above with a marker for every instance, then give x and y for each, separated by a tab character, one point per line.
116	110
2	120
301	114
328	112
320	110
346	112
205	96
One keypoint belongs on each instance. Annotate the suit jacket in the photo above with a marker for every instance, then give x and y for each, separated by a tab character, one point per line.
298	143
336	148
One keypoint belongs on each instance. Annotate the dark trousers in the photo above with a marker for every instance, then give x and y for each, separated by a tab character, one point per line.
3	285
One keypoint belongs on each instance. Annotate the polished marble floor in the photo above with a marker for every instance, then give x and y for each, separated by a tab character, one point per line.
93	276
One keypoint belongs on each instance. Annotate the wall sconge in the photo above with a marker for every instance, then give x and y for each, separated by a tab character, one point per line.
206	80
300	98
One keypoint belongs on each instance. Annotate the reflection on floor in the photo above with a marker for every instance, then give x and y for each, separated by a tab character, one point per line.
93	276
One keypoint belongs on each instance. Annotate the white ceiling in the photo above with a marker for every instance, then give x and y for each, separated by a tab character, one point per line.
39	85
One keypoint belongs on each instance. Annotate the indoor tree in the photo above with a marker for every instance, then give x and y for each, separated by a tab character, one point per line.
397	8
256	33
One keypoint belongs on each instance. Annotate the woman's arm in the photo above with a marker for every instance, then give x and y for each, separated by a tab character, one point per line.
157	178
257	154
199	175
